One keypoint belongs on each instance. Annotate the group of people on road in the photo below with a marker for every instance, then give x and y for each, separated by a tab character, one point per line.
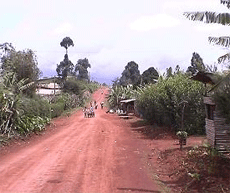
89	112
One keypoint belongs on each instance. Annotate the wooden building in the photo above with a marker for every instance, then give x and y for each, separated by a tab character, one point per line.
217	130
128	106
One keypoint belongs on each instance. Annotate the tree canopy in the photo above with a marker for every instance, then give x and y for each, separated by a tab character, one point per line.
81	69
130	75
149	76
66	43
197	64
65	67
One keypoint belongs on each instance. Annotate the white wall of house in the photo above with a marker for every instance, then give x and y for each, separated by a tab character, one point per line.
48	89
43	91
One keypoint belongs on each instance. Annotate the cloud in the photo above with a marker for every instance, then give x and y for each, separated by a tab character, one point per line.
146	23
203	27
63	29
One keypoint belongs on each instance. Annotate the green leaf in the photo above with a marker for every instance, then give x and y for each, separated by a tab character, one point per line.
209	17
222	41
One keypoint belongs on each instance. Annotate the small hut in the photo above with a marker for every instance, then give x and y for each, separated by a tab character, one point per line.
128	106
217	131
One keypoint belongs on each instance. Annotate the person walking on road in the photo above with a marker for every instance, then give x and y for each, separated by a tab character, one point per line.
102	104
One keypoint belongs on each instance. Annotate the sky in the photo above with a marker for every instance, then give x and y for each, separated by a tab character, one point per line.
152	33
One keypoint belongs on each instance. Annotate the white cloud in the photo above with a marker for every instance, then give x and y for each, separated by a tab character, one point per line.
146	23
207	27
63	29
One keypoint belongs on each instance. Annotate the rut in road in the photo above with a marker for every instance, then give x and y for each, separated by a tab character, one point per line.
82	155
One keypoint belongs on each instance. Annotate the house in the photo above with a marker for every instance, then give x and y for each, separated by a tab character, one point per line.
217	130
48	87
128	105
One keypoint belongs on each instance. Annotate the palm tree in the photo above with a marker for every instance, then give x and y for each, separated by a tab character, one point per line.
213	17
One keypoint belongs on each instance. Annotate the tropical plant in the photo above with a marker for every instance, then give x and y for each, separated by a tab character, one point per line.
10	95
221	89
119	93
163	103
23	64
28	124
213	17
115	96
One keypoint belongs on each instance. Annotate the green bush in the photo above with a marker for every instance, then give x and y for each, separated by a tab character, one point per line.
92	87
57	108
64	102
73	86
28	124
163	103
35	106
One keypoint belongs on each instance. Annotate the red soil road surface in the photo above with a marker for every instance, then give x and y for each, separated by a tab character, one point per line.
77	154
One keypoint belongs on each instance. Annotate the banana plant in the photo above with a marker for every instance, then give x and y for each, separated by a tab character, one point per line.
218	18
11	91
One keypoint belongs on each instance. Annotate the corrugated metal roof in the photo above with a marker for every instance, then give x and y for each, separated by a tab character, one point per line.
127	101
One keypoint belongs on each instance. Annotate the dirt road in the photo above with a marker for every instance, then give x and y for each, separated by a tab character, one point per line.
78	154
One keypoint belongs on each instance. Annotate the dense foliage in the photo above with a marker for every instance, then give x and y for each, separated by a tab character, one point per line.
119	93
197	64
130	75
81	69
18	115
171	99
222	97
66	43
65	68
21	110
23	64
149	76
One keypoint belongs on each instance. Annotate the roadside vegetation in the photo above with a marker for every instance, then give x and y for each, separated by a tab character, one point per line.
172	99
22	111
196	169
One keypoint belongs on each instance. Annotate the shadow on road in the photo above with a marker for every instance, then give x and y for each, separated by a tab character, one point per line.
151	131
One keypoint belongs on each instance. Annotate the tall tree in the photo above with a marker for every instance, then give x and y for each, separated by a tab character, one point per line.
81	69
149	76
213	17
66	43
197	64
131	74
65	68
